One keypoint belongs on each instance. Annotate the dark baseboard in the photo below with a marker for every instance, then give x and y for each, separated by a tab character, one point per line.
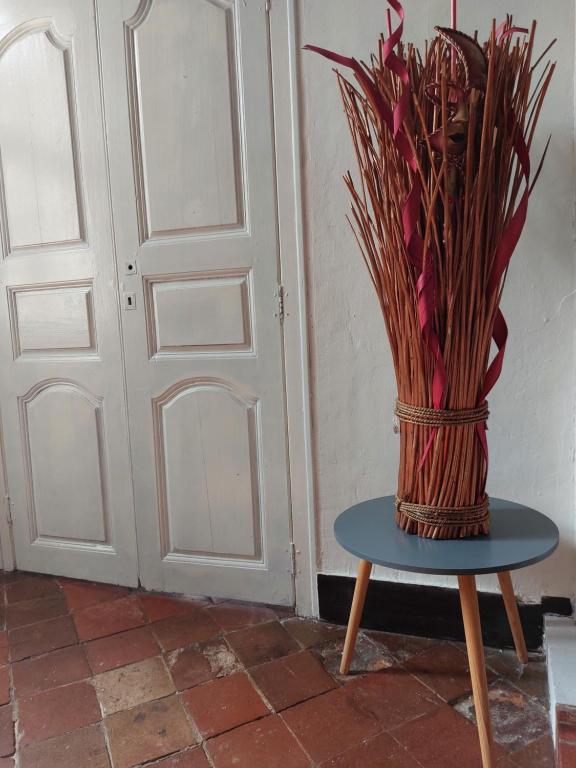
413	609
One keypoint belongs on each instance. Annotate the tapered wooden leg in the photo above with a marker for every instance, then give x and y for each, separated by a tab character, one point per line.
362	580
513	616
473	630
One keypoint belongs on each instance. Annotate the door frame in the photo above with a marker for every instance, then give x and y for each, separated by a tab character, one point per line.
284	76
285	94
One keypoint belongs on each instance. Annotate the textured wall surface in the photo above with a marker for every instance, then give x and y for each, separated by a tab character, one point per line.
532	408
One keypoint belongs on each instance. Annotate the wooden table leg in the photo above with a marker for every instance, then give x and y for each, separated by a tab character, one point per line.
362	580
513	615
473	630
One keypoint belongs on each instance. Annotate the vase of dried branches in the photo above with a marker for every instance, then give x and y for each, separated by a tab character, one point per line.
442	141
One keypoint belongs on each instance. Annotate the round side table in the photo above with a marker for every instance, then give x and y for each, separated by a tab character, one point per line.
519	536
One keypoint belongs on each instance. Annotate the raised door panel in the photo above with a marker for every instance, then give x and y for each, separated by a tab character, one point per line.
52	319
66	466
191	314
41	194
208	477
184	123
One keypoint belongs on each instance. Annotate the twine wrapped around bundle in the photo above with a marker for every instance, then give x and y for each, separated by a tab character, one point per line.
442	140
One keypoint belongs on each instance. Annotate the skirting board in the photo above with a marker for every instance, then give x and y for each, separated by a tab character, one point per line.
413	609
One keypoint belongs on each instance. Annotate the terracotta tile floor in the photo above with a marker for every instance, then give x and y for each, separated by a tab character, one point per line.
94	676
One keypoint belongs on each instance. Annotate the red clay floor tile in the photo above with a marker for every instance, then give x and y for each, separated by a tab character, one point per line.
264	642
83	594
311	632
348	724
61	667
189	667
444	668
41	638
201	662
262	744
192	758
33	611
292	679
180	631
566	714
231	616
52	713
393	696
6	762
135	684
567	755
443	739
566	730
3	647
158	607
31	588
382	751
84	748
121	649
108	618
4	685
223	704
7	736
149	731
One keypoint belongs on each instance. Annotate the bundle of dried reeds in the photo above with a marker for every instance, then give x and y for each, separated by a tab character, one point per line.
442	139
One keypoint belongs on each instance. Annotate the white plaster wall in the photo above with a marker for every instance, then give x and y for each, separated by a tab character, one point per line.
532	408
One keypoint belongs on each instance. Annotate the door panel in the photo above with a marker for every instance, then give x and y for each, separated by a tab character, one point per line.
187	163
39	140
62	388
206	433
190	139
67	410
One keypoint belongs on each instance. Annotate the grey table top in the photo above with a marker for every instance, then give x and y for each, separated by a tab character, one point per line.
519	536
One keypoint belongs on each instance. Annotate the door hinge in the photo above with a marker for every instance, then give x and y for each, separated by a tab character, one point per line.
9	509
293	553
280	298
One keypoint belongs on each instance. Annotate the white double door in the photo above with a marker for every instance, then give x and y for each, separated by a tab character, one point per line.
141	394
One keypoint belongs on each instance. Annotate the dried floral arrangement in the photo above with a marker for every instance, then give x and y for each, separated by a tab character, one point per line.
442	140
